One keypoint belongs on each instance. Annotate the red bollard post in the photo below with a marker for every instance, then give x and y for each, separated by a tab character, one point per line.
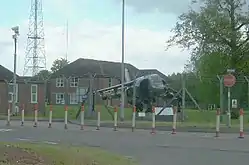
22	115
65	120
8	116
133	119
50	116
241	124
36	115
153	131
115	118
174	120
98	119
82	117
217	132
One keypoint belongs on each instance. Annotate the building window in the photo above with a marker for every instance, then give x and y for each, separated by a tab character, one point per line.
34	93
74	82
59	82
110	82
60	99
81	93
10	92
73	98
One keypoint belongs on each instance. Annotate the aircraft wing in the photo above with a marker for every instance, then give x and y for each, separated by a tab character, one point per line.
127	84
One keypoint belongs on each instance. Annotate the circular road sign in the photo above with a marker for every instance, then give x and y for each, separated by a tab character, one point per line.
229	80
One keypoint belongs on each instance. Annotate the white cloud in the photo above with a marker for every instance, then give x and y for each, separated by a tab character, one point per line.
165	6
88	39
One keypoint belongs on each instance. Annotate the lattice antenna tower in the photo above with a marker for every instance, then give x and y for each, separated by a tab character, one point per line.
35	58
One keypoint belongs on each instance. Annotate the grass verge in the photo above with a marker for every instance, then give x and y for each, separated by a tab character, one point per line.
43	154
193	117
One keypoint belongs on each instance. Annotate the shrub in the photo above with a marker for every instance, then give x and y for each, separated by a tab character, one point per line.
235	114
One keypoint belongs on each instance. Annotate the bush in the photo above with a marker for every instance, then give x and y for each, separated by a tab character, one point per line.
235	114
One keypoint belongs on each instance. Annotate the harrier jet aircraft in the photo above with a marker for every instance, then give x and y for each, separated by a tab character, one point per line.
144	90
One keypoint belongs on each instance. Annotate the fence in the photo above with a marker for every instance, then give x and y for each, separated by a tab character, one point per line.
205	93
209	92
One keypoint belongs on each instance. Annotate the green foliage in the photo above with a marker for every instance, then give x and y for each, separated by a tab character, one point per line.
219	28
234	114
58	64
43	74
217	36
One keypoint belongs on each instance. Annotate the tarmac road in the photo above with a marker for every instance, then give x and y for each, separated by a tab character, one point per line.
127	125
202	129
159	149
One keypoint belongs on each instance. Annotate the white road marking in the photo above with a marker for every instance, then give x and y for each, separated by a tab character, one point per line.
48	142
36	141
5	130
22	139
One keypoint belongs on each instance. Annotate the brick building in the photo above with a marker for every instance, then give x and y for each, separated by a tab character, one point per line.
28	92
72	82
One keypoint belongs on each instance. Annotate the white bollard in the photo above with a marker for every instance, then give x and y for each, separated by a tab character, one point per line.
115	118
82	117
66	108
217	132
22	115
36	115
174	120
133	119
50	116
153	131
8	116
241	124
98	120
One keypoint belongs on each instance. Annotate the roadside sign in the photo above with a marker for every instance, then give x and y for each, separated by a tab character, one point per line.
168	111
230	70
234	103
229	80
141	114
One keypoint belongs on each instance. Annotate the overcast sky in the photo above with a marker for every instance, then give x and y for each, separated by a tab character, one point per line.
95	31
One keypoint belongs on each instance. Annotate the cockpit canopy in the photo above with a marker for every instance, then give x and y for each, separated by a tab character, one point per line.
155	81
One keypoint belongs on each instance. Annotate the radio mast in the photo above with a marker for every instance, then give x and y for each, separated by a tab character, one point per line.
35	58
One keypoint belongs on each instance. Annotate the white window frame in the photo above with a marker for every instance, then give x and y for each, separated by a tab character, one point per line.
11	93
59	82
73	98
74	82
81	92
34	93
110	82
59	101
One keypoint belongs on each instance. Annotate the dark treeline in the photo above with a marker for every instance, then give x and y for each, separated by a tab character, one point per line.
216	34
206	90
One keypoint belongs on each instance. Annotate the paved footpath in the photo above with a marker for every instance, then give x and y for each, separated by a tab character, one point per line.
161	148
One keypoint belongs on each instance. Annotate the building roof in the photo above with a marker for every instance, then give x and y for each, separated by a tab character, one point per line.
6	74
83	67
30	79
144	72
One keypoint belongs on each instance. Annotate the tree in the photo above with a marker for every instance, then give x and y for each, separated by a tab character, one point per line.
217	36
58	64
217	31
43	74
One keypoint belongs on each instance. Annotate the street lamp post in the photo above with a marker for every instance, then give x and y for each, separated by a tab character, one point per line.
14	36
122	64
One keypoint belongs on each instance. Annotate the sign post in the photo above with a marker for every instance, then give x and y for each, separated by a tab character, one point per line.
229	81
234	103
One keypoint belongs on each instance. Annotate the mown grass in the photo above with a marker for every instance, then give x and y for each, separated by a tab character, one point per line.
68	155
192	117
209	117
